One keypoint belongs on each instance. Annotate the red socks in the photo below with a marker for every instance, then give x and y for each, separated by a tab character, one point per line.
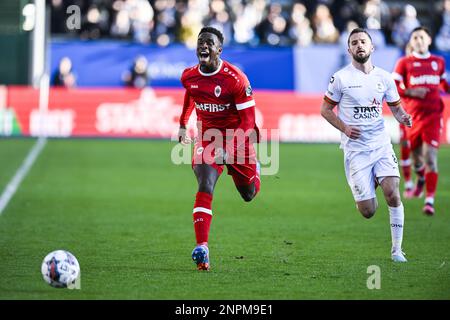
431	179
406	170
405	162
202	216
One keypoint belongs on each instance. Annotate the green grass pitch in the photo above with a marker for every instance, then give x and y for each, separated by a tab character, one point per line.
125	211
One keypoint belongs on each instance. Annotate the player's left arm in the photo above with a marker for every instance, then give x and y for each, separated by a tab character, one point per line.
394	103
245	105
400	114
445	86
247	131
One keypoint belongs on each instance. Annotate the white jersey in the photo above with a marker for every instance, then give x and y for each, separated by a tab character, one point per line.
360	99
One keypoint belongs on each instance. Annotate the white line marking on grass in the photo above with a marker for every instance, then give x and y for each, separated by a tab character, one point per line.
15	182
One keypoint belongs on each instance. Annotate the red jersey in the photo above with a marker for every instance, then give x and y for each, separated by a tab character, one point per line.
421	71
222	99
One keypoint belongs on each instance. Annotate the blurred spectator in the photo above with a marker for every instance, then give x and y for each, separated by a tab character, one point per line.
192	21
300	29
137	76
58	11
121	27
273	29
323	26
345	11
166	22
141	16
64	76
248	16
96	23
403	27
376	15
442	41
249	22
220	19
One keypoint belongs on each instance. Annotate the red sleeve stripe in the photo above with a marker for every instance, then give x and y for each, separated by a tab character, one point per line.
330	101
394	104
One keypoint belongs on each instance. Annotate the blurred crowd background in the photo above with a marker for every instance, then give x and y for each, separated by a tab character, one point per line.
254	22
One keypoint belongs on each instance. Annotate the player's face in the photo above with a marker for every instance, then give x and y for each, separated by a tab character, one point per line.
420	41
208	50
360	47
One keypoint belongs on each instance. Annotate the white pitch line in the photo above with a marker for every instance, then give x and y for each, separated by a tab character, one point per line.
15	182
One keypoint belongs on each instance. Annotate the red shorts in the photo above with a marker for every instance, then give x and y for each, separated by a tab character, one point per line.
243	171
427	129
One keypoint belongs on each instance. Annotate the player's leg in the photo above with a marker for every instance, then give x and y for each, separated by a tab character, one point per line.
367	207
388	176
431	137
405	162
245	171
419	168
207	173
358	171
246	179
207	176
390	186
431	177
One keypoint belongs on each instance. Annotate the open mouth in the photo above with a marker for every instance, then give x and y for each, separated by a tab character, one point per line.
203	56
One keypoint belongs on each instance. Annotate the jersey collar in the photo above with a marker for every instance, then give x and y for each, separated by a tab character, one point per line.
212	73
421	56
355	68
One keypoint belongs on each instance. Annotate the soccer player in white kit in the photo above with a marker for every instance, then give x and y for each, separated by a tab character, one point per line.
369	159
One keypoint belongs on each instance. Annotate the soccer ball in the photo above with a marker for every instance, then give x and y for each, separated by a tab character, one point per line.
60	269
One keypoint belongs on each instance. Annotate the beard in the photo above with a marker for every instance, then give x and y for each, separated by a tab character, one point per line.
361	59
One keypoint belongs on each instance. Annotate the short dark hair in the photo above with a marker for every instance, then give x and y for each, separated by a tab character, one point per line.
421	28
213	31
358	30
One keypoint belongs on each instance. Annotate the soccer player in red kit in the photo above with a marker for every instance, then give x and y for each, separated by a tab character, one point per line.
222	97
420	77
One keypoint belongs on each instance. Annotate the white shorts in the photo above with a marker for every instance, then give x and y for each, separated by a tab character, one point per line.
363	167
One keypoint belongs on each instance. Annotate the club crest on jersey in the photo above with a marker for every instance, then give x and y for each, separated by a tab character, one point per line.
248	91
380	87
434	65
217	91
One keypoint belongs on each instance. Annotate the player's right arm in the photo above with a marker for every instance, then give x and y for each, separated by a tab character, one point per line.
330	100
188	107
326	110
393	101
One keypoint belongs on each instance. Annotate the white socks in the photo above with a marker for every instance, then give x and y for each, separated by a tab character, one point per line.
397	218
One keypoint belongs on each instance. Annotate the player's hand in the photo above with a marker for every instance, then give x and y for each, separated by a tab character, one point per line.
352	132
406	119
419	92
182	136
220	156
